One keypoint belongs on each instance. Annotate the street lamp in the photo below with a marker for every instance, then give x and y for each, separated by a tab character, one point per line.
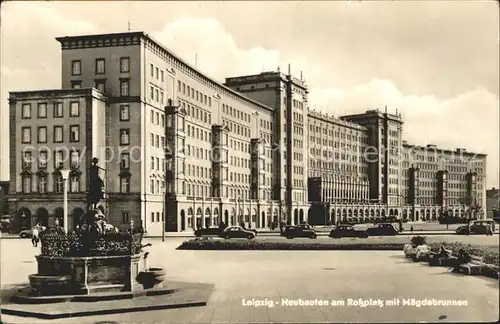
65	175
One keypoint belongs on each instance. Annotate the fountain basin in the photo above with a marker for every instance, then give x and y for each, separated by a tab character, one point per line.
151	278
85	275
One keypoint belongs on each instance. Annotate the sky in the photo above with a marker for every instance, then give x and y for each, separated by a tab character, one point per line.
436	62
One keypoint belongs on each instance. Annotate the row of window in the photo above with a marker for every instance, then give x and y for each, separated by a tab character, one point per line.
43	187
197	113
58	135
100	66
190	92
58	159
58	110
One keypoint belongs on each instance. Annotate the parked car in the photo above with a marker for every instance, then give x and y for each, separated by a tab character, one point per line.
303	230
382	229
237	232
347	231
208	231
476	227
26	234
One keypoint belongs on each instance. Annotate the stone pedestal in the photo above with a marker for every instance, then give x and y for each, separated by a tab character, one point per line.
85	275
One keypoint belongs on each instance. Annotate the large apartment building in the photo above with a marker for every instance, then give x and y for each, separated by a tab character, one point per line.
250	150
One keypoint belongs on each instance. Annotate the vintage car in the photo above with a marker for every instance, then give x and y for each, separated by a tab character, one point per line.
237	232
303	230
347	231
382	229
26	234
208	231
476	227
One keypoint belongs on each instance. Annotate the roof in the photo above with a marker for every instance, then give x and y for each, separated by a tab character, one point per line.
145	36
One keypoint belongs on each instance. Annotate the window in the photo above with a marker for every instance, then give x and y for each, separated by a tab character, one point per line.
152	163
26	132
100	85
76	84
27	160
74	182
124	87
124	64
76	67
42	110
74	133
26	112
124	112
162	76
157	74
26	184
74	109
75	159
152	68
42	134
151	92
42	160
58	159
125	161
125	218
42	184
124	184
124	136
58	134
58	183
100	66
58	109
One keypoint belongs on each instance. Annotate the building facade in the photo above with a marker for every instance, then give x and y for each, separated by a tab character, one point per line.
250	150
493	203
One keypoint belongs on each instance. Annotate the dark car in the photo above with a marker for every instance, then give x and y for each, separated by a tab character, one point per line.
302	230
382	229
347	231
237	232
208	231
26	234
476	227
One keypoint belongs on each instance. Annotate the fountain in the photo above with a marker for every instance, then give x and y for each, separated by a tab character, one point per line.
96	262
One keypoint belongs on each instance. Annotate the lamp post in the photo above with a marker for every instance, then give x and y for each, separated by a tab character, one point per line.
65	175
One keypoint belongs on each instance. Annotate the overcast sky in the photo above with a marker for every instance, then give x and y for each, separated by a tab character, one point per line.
437	62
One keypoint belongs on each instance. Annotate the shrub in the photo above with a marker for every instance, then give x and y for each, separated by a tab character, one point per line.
418	240
266	245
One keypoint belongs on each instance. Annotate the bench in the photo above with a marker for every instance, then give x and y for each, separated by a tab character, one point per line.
475	266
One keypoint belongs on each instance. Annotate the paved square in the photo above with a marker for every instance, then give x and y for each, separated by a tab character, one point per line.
306	275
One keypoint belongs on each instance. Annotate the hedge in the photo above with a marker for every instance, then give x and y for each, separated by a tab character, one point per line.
490	254
287	245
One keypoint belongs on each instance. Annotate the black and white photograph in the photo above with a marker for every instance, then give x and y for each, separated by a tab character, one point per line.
223	162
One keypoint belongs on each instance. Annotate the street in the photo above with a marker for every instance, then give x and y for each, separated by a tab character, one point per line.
307	275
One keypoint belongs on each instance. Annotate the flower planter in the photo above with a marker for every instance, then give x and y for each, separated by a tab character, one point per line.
151	277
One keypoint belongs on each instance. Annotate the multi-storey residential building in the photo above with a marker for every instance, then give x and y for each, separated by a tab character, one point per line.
172	139
53	130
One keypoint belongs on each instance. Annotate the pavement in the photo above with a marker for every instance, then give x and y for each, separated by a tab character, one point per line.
243	278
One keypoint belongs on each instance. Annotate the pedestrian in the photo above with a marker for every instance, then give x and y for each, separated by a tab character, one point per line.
488	230
35	235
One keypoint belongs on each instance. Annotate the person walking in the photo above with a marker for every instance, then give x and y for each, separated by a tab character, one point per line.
489	230
35	232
